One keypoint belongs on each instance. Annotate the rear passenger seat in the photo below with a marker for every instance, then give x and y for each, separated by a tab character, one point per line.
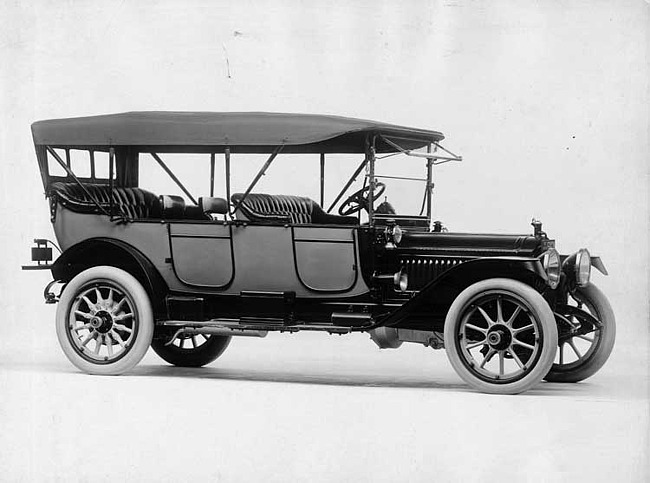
130	202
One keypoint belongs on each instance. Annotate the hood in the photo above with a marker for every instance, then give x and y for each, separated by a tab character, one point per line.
469	244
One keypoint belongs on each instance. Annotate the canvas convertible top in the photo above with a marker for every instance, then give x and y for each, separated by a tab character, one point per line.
214	131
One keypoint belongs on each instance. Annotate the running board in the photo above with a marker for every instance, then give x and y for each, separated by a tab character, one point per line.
223	322
247	327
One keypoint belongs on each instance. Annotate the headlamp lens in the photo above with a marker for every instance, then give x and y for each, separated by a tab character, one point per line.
551	262
583	267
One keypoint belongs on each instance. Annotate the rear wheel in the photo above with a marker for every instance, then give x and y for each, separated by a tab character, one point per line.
587	330
191	350
104	321
500	336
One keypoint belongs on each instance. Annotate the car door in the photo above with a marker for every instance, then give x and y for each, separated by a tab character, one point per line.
202	254
326	258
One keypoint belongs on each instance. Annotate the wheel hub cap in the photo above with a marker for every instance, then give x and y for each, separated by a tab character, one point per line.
102	322
499	337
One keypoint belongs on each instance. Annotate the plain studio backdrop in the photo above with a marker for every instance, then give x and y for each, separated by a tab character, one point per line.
546	101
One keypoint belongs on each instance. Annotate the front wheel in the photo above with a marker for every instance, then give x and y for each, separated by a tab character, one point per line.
104	321
587	330
500	336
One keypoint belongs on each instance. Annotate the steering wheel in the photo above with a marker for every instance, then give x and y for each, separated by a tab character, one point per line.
360	199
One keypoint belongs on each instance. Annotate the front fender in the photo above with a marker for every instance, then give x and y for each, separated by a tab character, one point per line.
436	297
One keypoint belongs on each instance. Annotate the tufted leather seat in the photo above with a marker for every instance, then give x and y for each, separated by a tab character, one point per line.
130	202
286	209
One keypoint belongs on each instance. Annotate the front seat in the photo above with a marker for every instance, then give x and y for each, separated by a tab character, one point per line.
267	208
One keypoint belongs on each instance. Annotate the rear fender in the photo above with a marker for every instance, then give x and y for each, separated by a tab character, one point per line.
438	295
114	253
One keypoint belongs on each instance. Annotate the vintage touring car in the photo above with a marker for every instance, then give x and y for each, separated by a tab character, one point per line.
185	272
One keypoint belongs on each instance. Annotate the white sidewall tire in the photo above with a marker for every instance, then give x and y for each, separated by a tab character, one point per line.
593	297
541	311
142	305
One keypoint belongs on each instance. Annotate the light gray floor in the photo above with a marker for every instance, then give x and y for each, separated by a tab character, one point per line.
310	407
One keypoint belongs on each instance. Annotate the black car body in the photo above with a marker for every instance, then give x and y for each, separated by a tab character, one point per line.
186	274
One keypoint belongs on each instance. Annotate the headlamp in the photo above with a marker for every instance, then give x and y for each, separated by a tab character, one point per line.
578	267
551	263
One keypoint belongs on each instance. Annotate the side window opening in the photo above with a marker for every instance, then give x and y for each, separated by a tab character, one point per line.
101	161
54	168
80	162
85	164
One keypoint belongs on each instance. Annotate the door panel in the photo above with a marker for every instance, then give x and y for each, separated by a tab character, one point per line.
326	258
264	259
202	254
